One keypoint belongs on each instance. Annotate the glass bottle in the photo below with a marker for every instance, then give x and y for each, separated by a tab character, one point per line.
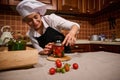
58	48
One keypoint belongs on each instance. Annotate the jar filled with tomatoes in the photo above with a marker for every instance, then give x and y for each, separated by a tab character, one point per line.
58	48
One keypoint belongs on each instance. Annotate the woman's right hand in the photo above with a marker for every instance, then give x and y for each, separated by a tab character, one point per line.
48	49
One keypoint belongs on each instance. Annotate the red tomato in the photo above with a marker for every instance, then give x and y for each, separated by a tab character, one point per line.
59	54
59	64
52	71
57	61
75	66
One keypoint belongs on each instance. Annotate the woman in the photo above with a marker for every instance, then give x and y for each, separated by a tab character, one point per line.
44	29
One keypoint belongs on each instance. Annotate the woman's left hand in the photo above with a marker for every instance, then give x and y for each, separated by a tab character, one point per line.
69	39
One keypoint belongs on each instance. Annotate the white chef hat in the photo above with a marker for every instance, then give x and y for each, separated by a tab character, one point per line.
26	7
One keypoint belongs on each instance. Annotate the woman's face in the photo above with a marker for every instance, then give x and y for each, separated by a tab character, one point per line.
33	20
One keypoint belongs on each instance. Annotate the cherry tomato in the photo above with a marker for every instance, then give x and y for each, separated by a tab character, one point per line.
67	67
52	71
75	66
57	61
59	64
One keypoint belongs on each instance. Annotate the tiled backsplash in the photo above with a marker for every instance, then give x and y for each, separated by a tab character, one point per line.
15	22
101	25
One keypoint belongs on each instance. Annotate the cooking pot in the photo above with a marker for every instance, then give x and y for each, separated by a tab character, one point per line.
6	34
95	38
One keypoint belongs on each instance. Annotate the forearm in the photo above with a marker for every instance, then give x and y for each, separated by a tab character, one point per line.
70	37
74	30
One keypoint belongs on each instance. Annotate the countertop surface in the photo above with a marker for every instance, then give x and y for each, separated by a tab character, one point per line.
80	41
92	66
5	49
85	41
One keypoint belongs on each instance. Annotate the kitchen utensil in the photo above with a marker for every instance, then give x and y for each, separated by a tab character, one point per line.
94	38
6	34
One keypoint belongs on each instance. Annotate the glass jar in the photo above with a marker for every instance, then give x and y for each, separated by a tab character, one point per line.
20	45
14	45
58	48
11	44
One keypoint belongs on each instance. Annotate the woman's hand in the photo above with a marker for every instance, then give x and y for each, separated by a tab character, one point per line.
48	49
70	37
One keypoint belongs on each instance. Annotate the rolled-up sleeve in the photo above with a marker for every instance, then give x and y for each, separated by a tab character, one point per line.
58	22
34	41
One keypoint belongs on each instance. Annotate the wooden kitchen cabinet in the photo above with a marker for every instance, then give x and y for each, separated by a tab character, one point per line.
105	47
67	5
80	48
95	47
79	6
9	2
4	2
51	4
14	2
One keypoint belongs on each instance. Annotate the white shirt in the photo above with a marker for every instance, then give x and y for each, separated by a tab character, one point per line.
54	21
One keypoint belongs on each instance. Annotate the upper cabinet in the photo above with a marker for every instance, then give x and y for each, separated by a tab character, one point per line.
70	6
83	6
67	5
51	4
9	2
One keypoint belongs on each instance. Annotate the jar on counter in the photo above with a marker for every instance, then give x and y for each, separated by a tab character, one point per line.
20	45
11	44
58	48
14	45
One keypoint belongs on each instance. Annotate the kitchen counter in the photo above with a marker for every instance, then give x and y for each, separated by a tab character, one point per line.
92	66
97	42
5	49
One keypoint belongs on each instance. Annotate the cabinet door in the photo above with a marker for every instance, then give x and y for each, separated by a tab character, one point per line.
103	47
9	2
97	47
68	5
81	6
51	4
108	2
14	2
80	48
90	6
112	48
4	2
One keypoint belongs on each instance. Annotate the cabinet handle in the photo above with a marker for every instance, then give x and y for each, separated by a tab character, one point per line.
71	9
100	47
76	46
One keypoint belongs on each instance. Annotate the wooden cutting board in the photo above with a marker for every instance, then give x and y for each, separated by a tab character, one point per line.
18	59
65	58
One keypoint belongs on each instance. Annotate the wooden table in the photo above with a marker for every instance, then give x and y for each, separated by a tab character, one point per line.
17	59
92	66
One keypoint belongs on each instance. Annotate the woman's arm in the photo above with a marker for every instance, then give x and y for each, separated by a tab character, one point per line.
58	23
70	37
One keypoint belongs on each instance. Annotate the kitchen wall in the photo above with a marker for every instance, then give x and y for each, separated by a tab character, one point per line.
15	22
102	24
87	29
